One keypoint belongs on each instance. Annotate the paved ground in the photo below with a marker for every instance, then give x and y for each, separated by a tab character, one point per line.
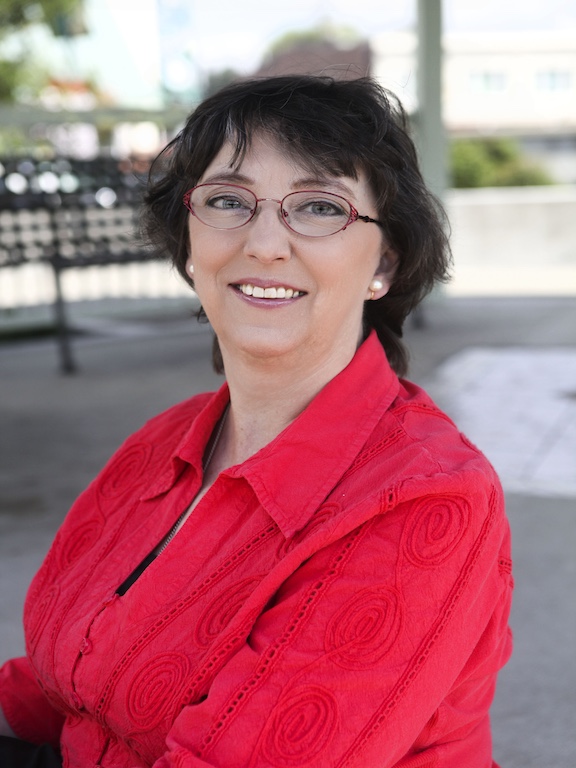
504	368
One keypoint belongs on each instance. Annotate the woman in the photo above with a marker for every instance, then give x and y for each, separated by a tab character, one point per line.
311	566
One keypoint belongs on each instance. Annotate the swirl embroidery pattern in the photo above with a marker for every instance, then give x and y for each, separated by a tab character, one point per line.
221	610
79	542
153	693
434	529
363	631
126	471
176	610
300	726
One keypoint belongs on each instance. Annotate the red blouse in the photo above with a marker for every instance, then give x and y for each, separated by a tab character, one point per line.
339	599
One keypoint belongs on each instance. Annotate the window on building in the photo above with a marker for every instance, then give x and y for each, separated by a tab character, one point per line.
488	81
554	80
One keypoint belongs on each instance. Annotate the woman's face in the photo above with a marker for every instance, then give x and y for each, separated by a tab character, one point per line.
314	315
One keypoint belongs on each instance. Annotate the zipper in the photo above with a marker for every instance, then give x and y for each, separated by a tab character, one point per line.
161	546
149	559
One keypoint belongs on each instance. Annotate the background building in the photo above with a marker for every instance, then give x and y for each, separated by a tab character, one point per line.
520	84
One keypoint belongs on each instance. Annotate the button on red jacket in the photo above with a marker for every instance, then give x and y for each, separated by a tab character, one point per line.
340	599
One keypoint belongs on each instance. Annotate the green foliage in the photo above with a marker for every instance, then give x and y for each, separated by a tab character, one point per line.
12	141
469	165
9	78
15	14
521	175
18	71
492	162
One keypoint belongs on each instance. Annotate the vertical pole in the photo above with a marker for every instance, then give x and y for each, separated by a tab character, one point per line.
67	365
62	328
429	126
430	129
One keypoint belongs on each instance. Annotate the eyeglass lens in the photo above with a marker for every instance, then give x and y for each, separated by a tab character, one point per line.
312	213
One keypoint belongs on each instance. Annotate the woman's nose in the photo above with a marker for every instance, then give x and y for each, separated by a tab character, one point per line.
267	237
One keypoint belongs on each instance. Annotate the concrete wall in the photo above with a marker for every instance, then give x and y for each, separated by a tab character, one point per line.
511	241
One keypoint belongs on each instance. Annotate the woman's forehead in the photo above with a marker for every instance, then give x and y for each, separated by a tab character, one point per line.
263	149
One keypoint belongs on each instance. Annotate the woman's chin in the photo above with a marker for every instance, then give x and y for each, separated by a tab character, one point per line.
262	348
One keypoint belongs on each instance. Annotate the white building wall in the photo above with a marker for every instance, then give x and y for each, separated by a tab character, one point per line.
520	82
510	82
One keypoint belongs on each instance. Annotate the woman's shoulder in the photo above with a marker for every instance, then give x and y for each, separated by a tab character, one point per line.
418	474
428	428
416	444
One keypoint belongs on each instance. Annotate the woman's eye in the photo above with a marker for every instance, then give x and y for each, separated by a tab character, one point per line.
226	202
322	208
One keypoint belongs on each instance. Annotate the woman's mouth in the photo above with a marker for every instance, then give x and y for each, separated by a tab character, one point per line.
271	292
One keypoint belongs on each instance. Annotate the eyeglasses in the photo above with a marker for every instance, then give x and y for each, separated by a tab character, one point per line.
309	212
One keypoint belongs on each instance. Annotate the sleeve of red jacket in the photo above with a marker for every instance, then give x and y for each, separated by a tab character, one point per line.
26	708
385	642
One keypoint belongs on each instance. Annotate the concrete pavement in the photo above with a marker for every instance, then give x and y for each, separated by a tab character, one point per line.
137	359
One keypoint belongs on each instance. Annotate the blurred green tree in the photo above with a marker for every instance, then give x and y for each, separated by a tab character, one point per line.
493	162
63	18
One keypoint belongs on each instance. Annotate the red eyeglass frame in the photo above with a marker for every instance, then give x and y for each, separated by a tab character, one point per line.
354	215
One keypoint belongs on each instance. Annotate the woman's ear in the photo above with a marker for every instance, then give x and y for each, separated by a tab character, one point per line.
382	280
388	263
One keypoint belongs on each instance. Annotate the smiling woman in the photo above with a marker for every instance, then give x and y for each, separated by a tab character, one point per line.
332	148
279	246
311	566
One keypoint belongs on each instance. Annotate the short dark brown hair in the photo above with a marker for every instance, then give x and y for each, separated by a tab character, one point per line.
339	127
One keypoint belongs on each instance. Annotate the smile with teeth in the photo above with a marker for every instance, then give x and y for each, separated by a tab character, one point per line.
279	292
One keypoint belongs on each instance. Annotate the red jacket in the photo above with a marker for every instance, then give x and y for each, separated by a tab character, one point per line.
340	599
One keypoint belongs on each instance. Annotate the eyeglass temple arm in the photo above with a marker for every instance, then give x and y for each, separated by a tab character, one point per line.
368	220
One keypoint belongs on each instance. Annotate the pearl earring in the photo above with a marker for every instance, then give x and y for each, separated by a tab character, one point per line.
191	269
375	285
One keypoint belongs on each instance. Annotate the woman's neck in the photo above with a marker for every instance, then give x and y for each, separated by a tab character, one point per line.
264	400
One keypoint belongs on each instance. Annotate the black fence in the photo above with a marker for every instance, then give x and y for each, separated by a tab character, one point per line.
70	213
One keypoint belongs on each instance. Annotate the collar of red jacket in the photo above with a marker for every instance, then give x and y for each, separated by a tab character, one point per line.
293	474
